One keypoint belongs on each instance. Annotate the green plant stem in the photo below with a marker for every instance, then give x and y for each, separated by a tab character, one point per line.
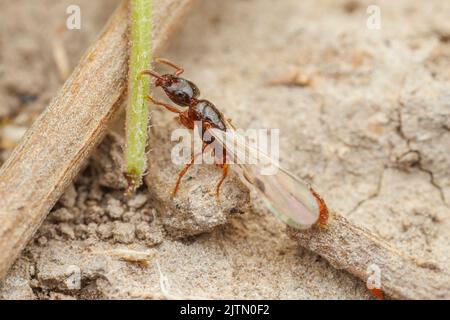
137	118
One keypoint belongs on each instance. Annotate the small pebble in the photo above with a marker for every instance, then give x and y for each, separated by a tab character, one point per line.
67	230
61	215
104	231
114	208
137	201
42	241
123	232
69	197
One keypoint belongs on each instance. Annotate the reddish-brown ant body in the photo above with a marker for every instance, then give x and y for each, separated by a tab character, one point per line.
288	197
185	93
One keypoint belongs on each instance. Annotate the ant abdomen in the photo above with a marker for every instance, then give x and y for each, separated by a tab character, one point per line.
179	90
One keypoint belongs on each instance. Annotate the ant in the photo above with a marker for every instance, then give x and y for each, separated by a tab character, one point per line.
185	93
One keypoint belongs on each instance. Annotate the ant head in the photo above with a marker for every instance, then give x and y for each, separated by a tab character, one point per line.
164	80
181	91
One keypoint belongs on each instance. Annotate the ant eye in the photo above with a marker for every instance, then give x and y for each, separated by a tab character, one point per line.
182	96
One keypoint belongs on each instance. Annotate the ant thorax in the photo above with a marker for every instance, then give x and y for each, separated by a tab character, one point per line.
205	111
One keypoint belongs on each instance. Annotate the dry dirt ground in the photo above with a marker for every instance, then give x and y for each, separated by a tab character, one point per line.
364	115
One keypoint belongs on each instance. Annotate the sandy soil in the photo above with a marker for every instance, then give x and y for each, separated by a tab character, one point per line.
364	115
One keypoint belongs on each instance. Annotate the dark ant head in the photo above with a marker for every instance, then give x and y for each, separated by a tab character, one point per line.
179	90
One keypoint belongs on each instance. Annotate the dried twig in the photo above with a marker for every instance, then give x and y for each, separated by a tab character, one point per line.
354	249
61	139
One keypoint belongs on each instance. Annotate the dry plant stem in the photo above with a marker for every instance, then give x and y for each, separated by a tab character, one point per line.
62	138
353	249
137	116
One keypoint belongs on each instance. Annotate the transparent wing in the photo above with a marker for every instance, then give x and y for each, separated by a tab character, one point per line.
288	197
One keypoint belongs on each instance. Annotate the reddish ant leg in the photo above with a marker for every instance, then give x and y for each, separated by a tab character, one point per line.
224	167
165	105
179	70
180	176
224	175
185	169
185	120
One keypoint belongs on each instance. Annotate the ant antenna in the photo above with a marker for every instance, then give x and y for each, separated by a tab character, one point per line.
179	70
150	73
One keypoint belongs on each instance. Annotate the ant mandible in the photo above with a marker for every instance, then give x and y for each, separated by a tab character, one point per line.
185	93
